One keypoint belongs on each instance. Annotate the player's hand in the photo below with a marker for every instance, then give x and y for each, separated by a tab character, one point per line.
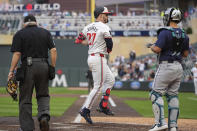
77	41
149	45
108	50
10	75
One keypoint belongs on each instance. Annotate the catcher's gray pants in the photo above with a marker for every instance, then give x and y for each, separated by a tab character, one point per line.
168	78
167	81
35	75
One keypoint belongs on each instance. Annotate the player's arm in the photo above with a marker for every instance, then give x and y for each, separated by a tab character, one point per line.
108	39
185	53
160	43
53	53
81	39
52	49
16	49
109	44
15	58
155	49
186	47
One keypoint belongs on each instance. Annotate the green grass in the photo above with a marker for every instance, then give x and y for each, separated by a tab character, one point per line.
53	90
188	103
3	90
127	93
58	106
67	91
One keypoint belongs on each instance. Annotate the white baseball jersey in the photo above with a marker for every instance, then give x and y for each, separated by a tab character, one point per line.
194	71
95	34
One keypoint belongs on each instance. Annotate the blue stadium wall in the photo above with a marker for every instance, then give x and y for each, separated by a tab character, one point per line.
72	66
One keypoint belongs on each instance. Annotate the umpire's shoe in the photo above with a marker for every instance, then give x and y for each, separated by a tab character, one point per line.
158	127
85	113
44	123
106	110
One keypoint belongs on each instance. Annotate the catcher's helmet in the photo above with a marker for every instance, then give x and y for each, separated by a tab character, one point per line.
101	10
172	14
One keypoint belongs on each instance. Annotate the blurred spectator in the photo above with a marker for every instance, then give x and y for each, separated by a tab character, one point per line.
132	56
151	76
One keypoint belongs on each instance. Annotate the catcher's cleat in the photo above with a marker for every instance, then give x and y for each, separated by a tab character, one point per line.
173	129
85	113
44	124
158	127
106	111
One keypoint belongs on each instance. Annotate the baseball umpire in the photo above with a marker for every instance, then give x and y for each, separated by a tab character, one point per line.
97	36
32	44
172	45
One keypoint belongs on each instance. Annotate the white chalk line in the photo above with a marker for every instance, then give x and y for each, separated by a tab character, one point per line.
78	117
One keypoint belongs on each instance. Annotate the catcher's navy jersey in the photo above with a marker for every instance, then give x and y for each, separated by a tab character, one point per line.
171	47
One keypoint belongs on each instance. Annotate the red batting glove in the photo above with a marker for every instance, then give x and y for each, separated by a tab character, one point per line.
77	41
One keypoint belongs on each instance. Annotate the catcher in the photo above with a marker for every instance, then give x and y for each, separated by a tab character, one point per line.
171	46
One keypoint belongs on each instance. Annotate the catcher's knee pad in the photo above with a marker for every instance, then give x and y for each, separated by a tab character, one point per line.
173	110
158	107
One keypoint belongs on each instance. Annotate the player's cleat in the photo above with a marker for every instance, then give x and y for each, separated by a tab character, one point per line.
85	113
44	125
173	129
157	127
106	111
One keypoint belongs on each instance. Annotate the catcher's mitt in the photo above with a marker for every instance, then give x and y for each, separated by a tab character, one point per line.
12	87
149	45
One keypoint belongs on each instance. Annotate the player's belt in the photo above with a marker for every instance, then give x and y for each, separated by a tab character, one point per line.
101	55
169	61
35	59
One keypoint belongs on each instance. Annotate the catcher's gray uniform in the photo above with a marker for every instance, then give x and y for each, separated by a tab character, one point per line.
168	76
172	45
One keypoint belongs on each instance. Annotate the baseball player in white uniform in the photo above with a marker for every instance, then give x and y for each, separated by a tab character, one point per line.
97	36
194	71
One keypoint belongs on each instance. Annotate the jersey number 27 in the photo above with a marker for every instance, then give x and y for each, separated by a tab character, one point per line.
91	38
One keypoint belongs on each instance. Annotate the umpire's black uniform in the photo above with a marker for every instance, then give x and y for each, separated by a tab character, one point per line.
33	43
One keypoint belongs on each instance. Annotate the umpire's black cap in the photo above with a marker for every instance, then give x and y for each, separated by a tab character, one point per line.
101	10
30	18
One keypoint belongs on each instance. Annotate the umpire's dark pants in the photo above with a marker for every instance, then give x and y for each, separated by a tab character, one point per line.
35	75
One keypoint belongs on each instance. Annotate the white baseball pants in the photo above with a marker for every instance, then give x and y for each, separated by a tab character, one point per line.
102	76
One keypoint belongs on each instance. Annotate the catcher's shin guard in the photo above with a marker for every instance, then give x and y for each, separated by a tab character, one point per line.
173	110
158	107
